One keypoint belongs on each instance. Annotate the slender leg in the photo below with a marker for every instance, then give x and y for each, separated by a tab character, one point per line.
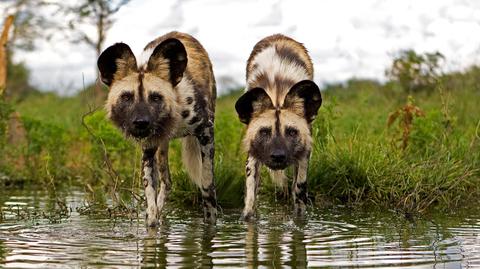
207	148
164	172
252	183
150	178
299	189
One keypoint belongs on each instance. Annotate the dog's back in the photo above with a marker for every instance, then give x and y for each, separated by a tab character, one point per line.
276	63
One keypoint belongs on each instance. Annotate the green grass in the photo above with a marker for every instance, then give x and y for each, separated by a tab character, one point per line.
362	162
357	159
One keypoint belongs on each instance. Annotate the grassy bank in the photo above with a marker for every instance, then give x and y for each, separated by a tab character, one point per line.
427	157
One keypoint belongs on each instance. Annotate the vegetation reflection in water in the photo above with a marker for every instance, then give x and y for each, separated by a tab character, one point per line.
335	236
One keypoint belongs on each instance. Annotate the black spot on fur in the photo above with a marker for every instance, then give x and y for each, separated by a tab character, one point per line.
149	153
212	153
209	196
204	139
189	100
185	114
208	125
277	122
204	134
194	120
210	130
199	130
141	89
201	107
302	193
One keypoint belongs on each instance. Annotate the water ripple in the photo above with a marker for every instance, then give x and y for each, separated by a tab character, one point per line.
326	238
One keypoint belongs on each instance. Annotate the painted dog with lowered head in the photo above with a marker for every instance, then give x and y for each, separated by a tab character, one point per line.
278	106
169	93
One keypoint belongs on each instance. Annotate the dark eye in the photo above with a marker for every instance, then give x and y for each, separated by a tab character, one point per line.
156	98
265	132
127	96
291	132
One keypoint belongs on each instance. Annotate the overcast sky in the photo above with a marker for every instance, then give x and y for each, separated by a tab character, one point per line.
346	38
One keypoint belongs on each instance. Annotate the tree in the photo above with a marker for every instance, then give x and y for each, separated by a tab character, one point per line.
33	21
3	53
416	72
98	13
30	21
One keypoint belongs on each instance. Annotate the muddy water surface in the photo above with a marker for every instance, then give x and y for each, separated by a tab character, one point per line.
334	237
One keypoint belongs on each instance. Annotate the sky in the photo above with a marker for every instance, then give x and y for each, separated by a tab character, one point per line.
346	38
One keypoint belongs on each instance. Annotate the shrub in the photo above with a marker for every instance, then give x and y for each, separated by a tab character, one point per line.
45	152
416	72
5	111
111	155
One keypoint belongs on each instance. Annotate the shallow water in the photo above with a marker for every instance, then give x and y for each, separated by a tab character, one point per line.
334	237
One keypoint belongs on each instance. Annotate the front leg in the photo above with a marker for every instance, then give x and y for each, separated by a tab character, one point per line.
299	189
164	172
251	186
150	179
207	148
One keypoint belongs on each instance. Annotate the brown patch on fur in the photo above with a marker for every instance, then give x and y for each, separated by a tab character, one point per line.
125	66
262	80
288	53
160	67
295	105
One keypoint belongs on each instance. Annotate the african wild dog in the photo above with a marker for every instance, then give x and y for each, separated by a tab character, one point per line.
169	93
279	105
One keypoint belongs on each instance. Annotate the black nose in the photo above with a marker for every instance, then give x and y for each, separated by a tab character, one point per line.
141	124
278	156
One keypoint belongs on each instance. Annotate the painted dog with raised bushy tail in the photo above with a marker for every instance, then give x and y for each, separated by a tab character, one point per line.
169	93
278	107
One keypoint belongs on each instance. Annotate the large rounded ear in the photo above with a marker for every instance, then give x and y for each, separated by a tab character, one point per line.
305	99
253	101
169	60
116	62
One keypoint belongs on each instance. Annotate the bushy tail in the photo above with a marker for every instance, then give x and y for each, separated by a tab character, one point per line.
279	178
192	159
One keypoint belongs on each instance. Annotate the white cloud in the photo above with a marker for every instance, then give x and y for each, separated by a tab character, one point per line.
346	38
273	17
